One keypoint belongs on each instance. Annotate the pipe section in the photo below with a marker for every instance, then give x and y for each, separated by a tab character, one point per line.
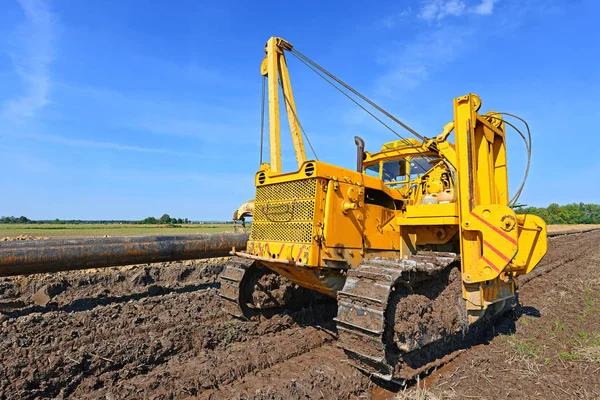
40	256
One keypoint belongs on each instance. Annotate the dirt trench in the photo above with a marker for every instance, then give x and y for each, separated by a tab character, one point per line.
157	332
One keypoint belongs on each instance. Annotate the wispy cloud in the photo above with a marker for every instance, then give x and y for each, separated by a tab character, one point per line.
412	62
16	155
63	140
208	131
392	20
167	116
31	59
436	10
414	59
194	72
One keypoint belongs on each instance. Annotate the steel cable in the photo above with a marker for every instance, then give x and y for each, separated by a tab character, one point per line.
527	142
306	62
297	120
357	93
262	119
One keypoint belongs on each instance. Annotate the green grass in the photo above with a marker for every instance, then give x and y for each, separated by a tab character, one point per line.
96	230
568	355
527	347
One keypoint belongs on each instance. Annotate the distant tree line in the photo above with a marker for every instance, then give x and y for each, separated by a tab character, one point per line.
575	213
14	220
165	219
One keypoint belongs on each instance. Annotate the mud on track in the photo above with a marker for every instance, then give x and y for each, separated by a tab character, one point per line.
158	332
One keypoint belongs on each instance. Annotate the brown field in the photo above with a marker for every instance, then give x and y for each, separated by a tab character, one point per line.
558	228
157	332
42	231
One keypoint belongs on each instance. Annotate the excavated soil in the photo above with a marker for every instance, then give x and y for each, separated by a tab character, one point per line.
157	332
430	309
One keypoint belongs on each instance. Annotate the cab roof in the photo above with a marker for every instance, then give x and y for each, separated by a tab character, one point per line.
400	144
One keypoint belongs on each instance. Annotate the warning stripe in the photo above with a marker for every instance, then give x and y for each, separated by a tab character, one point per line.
513	241
300	253
495	250
490	264
281	250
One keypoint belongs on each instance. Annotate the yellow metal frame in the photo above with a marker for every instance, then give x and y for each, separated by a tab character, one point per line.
313	224
345	227
274	67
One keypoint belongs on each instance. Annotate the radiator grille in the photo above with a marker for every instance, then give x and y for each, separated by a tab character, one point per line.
303	189
284	212
286	232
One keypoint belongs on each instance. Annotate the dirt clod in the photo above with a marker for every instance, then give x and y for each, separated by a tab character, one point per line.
429	310
272	290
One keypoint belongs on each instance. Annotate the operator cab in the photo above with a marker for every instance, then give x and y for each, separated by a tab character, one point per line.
411	168
398	172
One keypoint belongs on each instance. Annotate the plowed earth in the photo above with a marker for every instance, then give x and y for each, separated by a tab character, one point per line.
158	332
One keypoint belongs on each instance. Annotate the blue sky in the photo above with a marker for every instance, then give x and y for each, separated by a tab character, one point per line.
125	109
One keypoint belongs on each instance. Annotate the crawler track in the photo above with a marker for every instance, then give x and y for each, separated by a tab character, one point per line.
231	286
363	319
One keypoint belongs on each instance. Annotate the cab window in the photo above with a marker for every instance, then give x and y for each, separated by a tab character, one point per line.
394	170
373	170
418	166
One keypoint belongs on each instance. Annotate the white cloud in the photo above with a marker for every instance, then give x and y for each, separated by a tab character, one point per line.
31	59
412	62
439	9
485	8
436	10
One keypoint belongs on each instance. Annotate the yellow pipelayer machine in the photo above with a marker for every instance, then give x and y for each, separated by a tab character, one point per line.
418	244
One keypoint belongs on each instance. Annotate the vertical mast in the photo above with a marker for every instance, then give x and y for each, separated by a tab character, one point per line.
274	67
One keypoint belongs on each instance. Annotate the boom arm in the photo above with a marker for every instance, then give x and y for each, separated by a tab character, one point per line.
274	67
494	240
489	231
